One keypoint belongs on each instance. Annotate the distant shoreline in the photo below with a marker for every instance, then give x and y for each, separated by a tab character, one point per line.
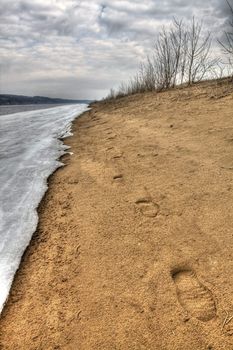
7	100
12	109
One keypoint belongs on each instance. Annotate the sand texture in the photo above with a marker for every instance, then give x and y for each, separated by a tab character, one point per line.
134	249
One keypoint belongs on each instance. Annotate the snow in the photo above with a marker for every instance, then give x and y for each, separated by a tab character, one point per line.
30	146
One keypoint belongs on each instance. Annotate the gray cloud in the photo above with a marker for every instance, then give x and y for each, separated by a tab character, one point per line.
80	49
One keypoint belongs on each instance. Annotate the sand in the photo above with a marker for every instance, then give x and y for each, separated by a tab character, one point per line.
134	248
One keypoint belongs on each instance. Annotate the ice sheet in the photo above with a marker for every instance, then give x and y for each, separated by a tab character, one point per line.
29	152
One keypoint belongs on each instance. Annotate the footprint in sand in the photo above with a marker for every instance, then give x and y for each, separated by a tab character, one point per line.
117	156
118	177
114	153
193	296
112	137
147	207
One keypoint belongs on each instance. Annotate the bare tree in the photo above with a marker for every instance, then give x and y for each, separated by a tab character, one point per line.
181	54
198	61
227	43
178	38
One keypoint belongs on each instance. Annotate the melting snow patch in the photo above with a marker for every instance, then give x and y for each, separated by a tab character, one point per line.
30	144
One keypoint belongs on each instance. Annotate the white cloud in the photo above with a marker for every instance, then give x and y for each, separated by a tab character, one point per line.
80	49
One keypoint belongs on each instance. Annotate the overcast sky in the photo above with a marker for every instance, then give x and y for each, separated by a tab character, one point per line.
80	49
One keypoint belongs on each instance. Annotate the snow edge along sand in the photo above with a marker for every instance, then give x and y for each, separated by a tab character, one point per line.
16	233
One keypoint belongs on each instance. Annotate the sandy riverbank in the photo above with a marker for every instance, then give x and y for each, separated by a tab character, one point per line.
134	249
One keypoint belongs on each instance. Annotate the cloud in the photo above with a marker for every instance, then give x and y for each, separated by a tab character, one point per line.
80	49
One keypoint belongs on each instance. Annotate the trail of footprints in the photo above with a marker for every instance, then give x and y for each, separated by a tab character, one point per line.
194	296
145	204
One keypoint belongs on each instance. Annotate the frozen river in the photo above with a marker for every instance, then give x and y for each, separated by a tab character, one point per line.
29	150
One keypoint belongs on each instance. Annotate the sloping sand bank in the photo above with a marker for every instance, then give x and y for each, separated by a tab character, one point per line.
134	249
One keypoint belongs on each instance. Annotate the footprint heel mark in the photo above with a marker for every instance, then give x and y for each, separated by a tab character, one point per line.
117	156
118	177
147	207
194	296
